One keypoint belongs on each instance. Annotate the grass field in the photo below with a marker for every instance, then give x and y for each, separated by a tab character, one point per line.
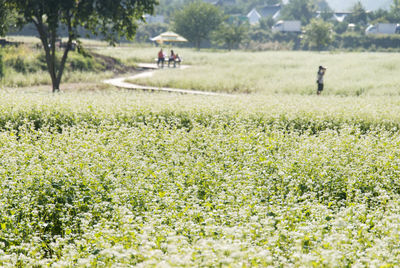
25	65
278	178
349	74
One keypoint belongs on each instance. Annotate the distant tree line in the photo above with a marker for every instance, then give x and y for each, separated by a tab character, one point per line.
225	26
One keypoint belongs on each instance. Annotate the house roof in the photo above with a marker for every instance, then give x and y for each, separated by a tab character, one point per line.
270	11
253	13
340	16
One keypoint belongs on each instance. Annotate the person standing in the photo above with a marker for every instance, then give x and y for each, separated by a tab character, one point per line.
320	79
161	58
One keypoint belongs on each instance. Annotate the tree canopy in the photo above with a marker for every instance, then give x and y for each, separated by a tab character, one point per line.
318	34
358	15
110	18
196	21
302	10
231	35
7	18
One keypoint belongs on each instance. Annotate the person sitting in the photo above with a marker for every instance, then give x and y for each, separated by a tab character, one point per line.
161	58
178	59
171	58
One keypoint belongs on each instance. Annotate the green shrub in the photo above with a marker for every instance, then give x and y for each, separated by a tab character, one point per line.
78	62
24	60
354	40
19	65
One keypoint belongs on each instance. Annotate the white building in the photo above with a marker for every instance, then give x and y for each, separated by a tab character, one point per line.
253	16
264	12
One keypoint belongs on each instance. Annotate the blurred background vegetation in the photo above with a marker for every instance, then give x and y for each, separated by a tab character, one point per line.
345	27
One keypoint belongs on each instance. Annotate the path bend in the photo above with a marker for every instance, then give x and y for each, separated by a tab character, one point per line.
120	82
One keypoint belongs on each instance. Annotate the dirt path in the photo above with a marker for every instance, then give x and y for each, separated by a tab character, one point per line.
152	69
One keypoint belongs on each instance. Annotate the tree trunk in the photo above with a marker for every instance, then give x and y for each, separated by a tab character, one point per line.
48	39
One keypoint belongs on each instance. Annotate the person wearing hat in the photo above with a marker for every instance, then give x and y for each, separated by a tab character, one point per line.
320	79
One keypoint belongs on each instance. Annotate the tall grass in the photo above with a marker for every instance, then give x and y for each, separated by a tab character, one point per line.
26	66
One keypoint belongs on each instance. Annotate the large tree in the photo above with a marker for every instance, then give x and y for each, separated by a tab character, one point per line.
110	18
394	15
318	34
358	15
196	21
231	35
325	11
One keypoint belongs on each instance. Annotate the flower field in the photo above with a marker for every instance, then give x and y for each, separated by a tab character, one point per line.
133	179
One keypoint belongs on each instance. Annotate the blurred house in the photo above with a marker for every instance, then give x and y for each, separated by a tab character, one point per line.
340	16
336	16
253	16
264	12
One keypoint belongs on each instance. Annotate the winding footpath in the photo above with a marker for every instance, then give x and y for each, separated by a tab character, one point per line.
120	82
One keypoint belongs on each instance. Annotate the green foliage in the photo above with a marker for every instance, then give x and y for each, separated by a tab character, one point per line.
356	41
318	34
113	19
231	35
302	10
394	13
26	66
85	63
7	18
147	31
259	34
379	16
358	15
266	23
325	11
22	59
196	21
26	60
341	27
169	7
